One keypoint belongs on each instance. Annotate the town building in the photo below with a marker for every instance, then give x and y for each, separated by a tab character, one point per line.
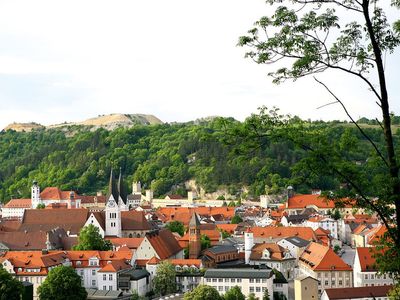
365	271
295	245
357	293
248	280
305	287
320	262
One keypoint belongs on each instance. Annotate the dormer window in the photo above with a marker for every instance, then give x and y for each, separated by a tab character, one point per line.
266	254
78	263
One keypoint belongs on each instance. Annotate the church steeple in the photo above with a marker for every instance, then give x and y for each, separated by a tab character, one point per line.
121	189
112	188
194	237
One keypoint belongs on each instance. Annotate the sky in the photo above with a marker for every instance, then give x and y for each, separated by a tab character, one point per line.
178	60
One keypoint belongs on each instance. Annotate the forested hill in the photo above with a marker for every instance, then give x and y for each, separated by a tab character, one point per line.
162	157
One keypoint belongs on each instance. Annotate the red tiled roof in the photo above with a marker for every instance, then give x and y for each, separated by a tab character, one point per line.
115	266
358	292
367	261
305	233
54	193
131	243
184	214
276	252
134	220
153	261
230	228
375	238
186	262
164	243
19	203
303	201
322	258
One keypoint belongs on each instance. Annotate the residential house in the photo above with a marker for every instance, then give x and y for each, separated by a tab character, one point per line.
365	271
324	223
320	262
220	254
295	245
360	293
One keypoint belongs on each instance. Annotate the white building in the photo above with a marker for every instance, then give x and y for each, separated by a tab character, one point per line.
364	270
295	245
325	223
248	280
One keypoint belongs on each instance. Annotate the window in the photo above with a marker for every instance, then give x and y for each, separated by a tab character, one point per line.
258	289
208	279
372	276
220	280
110	277
232	279
251	289
110	287
93	282
104	277
264	289
81	272
104	287
258	280
366	276
251	280
220	288
226	288
214	280
340	282
93	272
264	280
326	282
239	280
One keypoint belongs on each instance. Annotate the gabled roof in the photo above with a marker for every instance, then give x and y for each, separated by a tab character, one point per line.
276	252
131	243
134	220
19	203
186	262
303	201
54	193
358	292
377	234
283	232
366	259
222	249
42	219
163	243
322	258
115	266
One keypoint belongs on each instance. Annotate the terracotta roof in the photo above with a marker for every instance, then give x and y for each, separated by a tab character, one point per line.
322	258
186	262
153	261
321	231
360	228
303	201
358	292
54	193
184	214
134	220
230	228
375	238
366	259
36	240
9	225
92	199
163	243
56	205
174	197
141	262
41	219
276	252
131	243
19	203
115	266
305	233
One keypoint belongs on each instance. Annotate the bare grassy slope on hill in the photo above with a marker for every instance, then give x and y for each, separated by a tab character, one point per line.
27	127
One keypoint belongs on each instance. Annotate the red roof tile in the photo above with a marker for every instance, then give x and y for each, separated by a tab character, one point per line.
358	292
305	233
303	201
19	203
164	243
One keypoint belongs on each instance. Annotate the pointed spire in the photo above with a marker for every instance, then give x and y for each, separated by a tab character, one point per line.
121	189
194	221
112	189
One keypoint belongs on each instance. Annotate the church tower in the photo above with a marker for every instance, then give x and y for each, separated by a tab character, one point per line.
122	196
112	211
194	237
248	245
35	195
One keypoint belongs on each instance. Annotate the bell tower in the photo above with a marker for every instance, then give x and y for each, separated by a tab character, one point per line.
35	195
194	237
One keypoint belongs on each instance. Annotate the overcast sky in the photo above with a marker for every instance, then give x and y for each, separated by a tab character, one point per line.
177	59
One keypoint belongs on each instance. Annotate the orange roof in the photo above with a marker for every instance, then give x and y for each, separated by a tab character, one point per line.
276	252
320	231
184	214
164	243
360	228
186	262
322	258
153	261
367	261
19	203
141	262
379	231
54	193
303	201
115	266
230	228
131	243
305	233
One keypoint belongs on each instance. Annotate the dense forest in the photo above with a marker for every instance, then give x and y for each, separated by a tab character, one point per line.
214	153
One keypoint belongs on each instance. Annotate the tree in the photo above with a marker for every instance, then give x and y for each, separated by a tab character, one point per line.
252	296
203	292
205	242
336	249
394	293
236	219
299	35
336	215
234	293
165	279
40	206
266	295
90	239
176	226
62	283
10	288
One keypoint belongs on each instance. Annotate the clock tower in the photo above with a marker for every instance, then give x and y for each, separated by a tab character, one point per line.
112	211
